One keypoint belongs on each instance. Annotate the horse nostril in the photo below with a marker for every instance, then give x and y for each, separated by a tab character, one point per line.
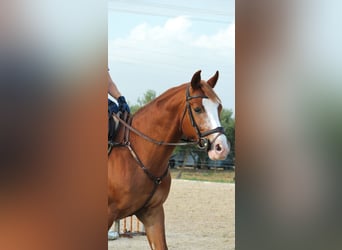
218	147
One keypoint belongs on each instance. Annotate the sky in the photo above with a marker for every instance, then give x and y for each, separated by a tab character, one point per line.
156	45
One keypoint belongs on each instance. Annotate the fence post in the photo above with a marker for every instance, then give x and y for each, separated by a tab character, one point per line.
117	226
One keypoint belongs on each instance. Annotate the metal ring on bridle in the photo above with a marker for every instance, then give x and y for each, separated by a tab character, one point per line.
203	143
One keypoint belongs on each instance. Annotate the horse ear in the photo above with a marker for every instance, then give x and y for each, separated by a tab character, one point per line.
196	80
212	81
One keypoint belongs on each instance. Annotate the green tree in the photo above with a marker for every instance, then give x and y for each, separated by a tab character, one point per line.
228	122
147	97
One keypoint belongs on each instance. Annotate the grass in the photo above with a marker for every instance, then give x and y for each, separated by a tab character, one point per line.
213	175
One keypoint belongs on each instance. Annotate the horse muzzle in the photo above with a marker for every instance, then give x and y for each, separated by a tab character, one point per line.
219	148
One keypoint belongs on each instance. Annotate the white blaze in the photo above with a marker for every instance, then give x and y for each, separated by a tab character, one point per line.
219	149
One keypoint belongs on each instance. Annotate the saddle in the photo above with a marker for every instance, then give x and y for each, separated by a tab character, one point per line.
114	126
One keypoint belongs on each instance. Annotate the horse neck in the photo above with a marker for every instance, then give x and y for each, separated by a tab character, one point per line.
159	120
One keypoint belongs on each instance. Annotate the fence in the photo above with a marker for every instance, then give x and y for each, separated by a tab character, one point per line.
128	227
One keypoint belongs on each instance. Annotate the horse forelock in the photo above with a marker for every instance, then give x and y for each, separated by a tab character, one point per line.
209	91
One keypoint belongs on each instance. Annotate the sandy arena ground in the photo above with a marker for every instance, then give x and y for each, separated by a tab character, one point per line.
198	215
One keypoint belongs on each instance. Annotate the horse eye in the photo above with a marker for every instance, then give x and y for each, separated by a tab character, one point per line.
198	109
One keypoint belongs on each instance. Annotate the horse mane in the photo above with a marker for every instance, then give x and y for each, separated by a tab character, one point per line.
205	87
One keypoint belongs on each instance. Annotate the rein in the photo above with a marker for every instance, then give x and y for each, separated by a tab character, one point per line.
147	138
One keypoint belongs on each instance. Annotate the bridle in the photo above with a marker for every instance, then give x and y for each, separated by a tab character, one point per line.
202	142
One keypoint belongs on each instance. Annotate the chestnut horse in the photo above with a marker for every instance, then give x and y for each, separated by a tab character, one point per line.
138	176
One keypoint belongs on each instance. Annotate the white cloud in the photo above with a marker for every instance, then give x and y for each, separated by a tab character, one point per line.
224	39
170	42
173	29
179	24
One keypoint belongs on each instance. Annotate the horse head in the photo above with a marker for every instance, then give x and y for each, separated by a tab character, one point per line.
202	120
